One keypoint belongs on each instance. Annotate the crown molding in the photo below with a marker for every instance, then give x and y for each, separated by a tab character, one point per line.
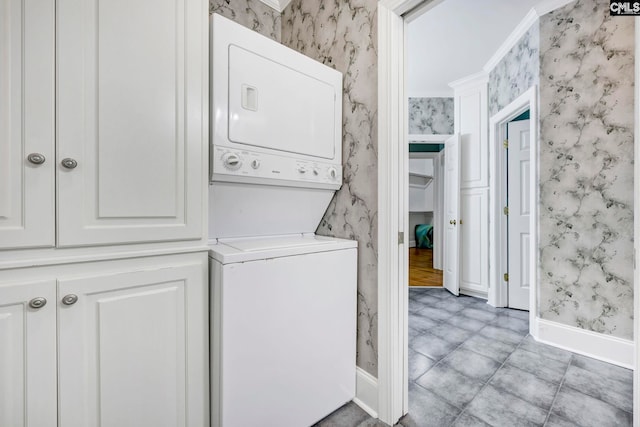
475	79
278	5
542	8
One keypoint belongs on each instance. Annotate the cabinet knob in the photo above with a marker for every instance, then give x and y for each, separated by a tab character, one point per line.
38	302
70	299
36	158
69	163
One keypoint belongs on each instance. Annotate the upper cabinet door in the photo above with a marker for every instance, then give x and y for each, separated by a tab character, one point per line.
26	123
472	123
131	131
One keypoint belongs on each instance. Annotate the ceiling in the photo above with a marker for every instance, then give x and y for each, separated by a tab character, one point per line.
455	39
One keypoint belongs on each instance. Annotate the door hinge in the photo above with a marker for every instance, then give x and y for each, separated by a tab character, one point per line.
505	210
505	143
506	277
400	237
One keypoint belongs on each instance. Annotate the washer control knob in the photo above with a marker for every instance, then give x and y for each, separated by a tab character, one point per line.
255	163
333	173
231	161
316	171
302	170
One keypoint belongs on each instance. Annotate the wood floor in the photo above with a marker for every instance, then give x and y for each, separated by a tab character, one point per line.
421	271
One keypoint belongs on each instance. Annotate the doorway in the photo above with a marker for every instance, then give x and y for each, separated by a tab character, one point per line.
426	201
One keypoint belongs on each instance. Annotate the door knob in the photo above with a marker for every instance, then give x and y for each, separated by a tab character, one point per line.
451	221
69	163
460	222
38	302
36	158
69	299
454	222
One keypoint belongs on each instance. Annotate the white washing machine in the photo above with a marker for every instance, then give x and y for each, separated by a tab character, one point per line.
283	300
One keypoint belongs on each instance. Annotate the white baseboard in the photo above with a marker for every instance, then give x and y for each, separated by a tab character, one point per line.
592	344
366	392
412	243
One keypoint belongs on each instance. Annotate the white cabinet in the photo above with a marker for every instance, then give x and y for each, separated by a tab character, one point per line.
130	121
472	124
27	123
474	242
132	344
28	354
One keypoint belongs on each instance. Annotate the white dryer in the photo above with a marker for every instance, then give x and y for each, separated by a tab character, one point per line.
283	300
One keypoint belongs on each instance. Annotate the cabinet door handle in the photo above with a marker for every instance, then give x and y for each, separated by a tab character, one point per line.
70	299
36	158
38	302
69	163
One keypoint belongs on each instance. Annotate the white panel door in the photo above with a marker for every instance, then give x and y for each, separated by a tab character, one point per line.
126	348
474	241
131	105
452	214
473	128
27	123
28	355
519	190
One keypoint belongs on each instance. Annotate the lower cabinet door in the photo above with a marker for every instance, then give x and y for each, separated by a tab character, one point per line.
133	348
28	354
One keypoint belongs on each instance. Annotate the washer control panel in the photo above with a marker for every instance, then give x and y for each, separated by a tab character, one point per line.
241	163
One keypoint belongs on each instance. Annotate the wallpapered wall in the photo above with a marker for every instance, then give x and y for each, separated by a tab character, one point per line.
343	35
586	168
251	13
516	72
431	116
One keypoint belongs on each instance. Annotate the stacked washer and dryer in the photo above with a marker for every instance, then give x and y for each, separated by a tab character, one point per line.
283	300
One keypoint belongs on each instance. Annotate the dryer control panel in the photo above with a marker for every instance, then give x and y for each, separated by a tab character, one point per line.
242	165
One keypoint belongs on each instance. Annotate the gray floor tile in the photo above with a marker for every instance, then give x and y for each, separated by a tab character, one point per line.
350	415
436	313
421	323
438	292
520	314
451	305
372	422
503	409
530	344
428	410
465	299
428	300
413	334
502	334
481	315
466	420
432	346
496	350
587	411
517	325
603	368
418	364
480	304
450	385
557	421
610	390
451	333
472	364
543	367
416	307
525	385
466	322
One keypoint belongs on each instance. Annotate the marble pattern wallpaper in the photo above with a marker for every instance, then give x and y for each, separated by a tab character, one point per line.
431	116
586	168
516	72
252	14
343	35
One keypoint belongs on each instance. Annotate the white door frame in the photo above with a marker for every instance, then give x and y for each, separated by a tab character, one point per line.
636	230
393	206
497	222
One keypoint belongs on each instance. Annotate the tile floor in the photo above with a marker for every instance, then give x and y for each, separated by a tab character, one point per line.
474	365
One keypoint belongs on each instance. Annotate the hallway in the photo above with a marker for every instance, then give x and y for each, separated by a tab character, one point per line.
474	365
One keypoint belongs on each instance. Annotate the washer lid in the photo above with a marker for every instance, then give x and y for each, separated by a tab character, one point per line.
229	251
